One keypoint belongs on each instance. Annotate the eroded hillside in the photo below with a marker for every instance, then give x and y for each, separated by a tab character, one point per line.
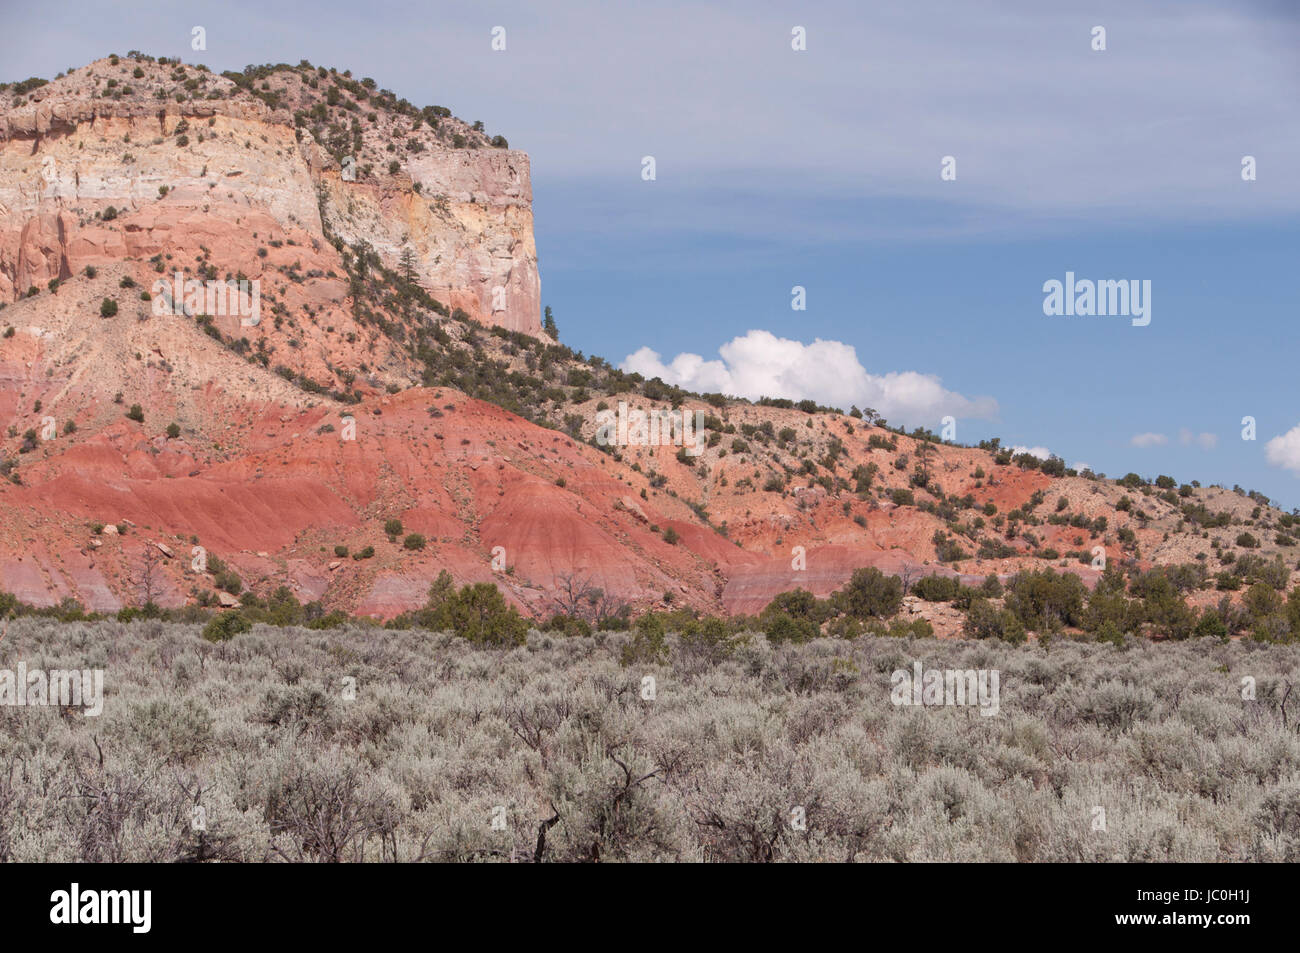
382	420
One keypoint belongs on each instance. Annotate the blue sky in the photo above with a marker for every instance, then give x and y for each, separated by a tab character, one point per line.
820	168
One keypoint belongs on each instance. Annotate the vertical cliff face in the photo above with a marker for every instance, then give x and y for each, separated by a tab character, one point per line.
105	164
469	226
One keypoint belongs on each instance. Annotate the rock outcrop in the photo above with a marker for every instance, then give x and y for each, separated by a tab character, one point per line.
212	166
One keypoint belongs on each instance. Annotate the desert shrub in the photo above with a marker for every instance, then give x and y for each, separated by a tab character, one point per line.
936	588
567	625
1255	568
1211	625
801	604
477	612
870	594
985	621
327	810
863	474
1107	607
649	642
946	548
845	627
1046	599
587	769
225	626
1161	606
781	626
281	608
911	628
710	638
1262	600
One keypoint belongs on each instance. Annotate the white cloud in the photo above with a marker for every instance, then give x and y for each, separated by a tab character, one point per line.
1081	466
760	364
1042	453
1149	440
1206	441
1284	451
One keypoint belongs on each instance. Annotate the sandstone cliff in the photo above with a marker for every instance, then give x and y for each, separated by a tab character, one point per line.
183	152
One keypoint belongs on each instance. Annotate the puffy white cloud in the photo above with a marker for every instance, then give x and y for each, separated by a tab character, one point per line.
760	364
1149	440
1081	466
1042	453
1206	441
1284	451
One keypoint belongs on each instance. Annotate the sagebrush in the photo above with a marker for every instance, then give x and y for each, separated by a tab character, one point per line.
555	743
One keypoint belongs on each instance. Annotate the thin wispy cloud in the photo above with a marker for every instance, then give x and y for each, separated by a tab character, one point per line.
1206	441
1144	130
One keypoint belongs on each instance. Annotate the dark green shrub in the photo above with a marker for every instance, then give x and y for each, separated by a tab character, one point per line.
649	642
870	594
936	588
476	612
225	626
985	621
1046	600
783	627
